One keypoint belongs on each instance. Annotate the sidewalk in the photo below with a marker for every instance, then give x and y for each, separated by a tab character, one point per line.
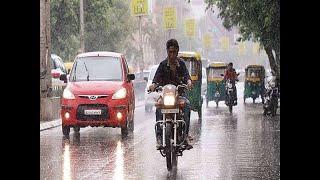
44	125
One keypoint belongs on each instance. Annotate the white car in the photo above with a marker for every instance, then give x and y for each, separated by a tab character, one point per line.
151	98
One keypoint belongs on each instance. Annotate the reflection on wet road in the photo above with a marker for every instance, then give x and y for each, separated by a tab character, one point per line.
242	145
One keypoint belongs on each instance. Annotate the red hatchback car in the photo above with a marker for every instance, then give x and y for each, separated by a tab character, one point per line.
99	93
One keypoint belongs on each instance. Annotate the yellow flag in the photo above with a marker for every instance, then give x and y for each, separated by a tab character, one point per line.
169	18
139	7
190	27
207	40
255	48
242	48
224	43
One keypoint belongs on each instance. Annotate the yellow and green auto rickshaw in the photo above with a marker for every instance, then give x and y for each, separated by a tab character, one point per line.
194	66
215	83
254	82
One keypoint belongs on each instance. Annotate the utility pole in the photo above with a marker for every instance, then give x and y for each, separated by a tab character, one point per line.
140	46
81	27
45	46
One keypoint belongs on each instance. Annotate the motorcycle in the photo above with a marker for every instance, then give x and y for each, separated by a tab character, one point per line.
230	99
172	124
271	100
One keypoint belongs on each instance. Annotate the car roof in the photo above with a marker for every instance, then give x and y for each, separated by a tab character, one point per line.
99	53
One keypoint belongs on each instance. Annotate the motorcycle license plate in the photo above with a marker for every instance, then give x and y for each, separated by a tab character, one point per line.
166	111
92	112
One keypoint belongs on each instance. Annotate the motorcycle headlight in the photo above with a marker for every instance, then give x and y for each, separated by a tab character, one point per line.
67	94
169	100
120	94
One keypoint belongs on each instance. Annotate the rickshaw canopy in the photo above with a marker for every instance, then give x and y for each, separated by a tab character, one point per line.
190	54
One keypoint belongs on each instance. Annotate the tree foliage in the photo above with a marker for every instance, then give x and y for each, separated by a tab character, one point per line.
107	26
257	20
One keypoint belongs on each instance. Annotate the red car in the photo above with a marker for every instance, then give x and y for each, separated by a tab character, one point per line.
99	93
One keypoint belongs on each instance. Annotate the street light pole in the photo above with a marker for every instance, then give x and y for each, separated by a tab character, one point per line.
81	27
140	45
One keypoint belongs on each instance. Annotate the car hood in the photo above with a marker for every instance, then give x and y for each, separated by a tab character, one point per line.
94	87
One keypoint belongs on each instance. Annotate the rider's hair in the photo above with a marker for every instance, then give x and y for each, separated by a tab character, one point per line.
172	42
230	64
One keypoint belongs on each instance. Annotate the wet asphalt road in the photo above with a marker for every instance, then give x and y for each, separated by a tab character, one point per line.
244	145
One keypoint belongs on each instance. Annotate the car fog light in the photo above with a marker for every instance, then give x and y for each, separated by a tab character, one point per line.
119	115
67	115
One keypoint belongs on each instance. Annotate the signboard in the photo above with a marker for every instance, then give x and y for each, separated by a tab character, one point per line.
169	18
139	7
190	27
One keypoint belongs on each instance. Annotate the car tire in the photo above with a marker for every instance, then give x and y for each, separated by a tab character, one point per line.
76	129
66	130
125	129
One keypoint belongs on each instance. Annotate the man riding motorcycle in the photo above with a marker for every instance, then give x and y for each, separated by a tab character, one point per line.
172	70
231	74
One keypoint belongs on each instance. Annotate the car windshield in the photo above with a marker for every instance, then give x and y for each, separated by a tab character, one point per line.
254	72
216	72
96	69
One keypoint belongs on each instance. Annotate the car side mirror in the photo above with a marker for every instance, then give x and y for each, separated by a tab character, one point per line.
131	77
63	77
146	79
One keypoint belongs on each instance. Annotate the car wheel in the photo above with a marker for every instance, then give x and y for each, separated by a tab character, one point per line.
76	129
66	130
131	126
124	130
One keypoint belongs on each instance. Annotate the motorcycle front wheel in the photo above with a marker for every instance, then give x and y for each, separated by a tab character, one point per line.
230	109
169	148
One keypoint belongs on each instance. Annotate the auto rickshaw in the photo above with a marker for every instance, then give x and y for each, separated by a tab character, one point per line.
194	66
254	82
215	83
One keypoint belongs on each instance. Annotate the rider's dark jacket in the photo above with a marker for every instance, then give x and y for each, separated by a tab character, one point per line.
164	75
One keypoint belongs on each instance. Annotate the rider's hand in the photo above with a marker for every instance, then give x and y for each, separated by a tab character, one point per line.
152	87
189	84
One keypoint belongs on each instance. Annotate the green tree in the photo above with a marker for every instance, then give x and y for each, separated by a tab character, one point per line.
257	20
64	28
108	26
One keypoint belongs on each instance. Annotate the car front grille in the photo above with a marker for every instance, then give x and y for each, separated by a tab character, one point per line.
81	115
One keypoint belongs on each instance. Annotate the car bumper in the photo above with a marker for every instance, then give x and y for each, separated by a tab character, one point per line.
112	118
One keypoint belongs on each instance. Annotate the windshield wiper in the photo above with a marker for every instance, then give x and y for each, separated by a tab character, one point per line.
86	70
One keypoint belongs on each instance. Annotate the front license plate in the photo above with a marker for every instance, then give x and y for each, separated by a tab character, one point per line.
169	111
92	112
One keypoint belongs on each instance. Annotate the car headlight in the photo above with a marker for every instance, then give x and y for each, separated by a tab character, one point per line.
67	94
168	100
120	94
